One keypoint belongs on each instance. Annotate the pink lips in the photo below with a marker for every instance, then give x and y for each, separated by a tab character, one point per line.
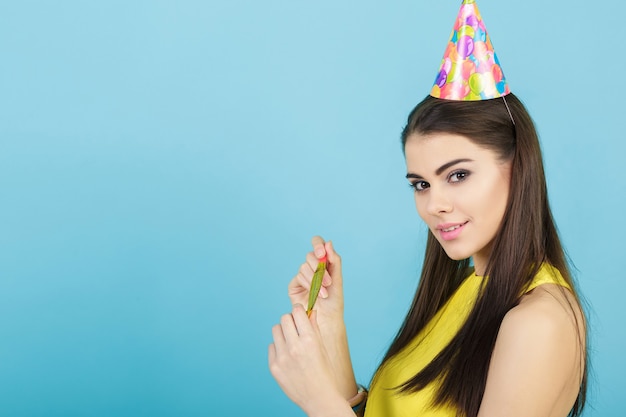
449	231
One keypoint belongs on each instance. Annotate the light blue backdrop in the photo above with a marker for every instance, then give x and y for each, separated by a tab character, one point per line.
163	165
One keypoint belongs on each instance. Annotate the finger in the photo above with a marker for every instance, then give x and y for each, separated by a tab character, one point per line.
333	256
323	292
312	260
334	261
312	263
272	358
307	269
302	281
289	328
327	280
299	285
279	338
301	319
271	354
314	324
318	246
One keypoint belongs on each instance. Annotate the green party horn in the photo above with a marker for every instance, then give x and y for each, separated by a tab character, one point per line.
316	284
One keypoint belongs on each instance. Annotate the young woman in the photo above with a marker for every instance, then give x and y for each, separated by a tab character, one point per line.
496	327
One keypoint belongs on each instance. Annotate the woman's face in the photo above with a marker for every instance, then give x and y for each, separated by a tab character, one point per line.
461	192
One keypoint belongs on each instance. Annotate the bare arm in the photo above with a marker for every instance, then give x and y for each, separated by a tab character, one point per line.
538	359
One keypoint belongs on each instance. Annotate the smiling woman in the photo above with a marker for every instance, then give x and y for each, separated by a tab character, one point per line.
506	337
496	326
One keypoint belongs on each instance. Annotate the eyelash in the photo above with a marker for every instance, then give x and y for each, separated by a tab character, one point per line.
413	186
463	172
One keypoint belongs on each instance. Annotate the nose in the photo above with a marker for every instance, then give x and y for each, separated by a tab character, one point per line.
438	201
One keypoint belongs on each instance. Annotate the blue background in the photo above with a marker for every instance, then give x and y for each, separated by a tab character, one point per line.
163	165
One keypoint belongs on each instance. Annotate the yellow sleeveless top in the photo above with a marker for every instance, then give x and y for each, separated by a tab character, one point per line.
384	401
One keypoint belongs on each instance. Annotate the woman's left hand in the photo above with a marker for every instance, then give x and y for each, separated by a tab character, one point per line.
300	364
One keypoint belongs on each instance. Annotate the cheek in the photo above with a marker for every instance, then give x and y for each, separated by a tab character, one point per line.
498	202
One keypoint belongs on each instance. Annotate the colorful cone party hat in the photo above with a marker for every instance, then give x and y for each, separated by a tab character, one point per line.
470	69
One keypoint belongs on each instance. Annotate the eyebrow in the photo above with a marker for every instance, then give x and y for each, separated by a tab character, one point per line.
442	168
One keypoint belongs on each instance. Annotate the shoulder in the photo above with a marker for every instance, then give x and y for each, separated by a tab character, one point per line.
538	358
548	317
548	304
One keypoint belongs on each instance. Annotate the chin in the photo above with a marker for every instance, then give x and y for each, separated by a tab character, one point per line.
457	257
456	254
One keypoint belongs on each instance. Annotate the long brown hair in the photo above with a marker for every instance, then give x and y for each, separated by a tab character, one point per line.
527	238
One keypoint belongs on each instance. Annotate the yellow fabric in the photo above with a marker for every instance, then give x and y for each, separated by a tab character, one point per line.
384	401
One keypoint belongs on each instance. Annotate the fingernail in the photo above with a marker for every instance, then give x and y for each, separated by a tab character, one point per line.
319	252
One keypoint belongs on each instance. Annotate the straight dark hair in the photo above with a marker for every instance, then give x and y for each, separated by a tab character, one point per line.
527	238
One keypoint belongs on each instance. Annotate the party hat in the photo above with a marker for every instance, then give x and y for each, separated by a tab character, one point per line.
470	69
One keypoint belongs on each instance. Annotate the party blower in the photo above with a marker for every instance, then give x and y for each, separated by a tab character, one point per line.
316	284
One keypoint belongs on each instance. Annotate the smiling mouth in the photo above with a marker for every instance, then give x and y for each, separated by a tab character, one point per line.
449	229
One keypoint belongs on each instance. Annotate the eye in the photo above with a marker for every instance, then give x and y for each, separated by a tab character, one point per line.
419	186
458	176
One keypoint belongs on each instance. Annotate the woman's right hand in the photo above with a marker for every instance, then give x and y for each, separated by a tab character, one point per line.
329	304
